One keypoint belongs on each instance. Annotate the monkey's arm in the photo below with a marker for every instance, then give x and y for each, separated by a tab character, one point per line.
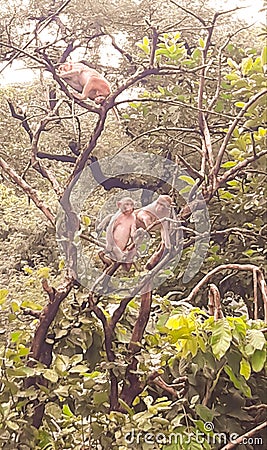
69	73
144	218
104	223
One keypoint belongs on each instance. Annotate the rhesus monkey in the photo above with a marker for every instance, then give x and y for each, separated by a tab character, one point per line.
146	216
88	82
120	235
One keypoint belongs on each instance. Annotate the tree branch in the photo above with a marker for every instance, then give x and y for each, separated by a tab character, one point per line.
245	436
28	190
246	267
227	138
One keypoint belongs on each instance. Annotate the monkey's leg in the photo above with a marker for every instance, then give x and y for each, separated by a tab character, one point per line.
156	257
105	259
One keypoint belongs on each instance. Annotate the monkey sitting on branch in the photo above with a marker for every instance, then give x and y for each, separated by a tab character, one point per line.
120	243
124	231
152	213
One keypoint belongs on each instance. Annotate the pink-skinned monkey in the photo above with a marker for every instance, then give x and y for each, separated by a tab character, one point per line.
146	216
88	82
120	234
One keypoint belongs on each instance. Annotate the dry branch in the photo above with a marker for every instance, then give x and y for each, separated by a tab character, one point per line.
245	436
28	190
247	267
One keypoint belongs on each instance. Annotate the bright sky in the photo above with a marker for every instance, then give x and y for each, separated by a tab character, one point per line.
17	73
251	12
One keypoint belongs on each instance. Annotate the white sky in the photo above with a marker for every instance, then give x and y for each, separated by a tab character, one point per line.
17	73
250	14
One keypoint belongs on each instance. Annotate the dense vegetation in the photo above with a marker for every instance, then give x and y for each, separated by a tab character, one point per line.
173	357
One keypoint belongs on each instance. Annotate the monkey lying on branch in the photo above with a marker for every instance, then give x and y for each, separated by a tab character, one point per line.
88	82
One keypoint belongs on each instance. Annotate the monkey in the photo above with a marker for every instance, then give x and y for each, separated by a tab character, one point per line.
146	216
120	245
88	82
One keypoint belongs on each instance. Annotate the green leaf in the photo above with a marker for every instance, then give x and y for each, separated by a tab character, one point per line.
240	104
264	56
229	164
255	341
144	48
66	410
226	195
258	360
187	179
61	363
205	413
100	397
86	220
232	63
245	369
15	336
145	40
238	383
3	295
221	338
43	272
185	190
14	306
201	42
246	65
80	368
196	55
50	375
12	425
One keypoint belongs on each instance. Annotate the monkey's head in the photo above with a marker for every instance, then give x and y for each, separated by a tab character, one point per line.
65	67
163	202
126	205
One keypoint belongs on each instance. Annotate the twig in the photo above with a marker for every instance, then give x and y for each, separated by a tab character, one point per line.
244	437
188	11
246	267
255	292
34	161
239	166
228	135
42	27
28	189
257	407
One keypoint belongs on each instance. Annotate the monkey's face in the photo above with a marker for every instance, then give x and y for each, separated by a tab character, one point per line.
65	67
162	207
126	206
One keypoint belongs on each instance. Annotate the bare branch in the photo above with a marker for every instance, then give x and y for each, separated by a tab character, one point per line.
28	190
227	138
241	165
247	435
188	11
246	267
41	28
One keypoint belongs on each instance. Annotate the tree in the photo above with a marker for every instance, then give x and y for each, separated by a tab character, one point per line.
194	110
